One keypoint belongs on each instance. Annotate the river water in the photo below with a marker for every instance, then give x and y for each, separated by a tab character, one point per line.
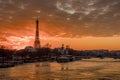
87	69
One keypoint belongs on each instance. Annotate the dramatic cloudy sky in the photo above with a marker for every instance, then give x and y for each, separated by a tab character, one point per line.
83	24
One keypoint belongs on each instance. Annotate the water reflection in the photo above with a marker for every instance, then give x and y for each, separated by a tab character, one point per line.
94	69
42	71
64	66
65	71
3	74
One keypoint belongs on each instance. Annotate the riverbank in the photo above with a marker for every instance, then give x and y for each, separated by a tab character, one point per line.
85	69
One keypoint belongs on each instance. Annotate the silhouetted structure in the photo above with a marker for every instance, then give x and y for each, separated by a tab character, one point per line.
37	40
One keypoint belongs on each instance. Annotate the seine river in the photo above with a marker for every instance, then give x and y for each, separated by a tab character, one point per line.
87	69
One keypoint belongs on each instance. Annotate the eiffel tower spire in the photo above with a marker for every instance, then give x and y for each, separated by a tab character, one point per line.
37	40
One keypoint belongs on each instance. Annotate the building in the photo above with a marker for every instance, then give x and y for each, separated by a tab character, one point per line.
37	39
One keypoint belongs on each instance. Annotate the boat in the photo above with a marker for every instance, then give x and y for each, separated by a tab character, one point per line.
6	65
64	58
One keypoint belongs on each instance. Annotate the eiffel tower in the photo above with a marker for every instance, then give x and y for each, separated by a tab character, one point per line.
37	40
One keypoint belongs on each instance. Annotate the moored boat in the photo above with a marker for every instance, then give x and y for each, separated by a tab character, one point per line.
6	65
64	58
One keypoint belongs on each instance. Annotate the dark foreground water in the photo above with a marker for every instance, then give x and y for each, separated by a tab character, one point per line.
93	69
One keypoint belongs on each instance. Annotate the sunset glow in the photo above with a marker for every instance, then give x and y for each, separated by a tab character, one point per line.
81	24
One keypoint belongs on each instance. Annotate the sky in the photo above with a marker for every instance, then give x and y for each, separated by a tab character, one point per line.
82	24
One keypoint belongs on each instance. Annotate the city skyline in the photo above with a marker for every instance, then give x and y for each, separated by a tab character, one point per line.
82	24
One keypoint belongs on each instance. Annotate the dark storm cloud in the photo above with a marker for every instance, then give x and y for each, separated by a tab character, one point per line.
70	18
